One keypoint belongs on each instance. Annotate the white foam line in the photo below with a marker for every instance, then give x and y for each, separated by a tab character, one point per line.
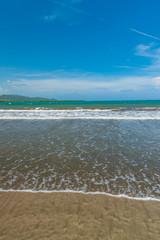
82	192
57	110
78	118
77	110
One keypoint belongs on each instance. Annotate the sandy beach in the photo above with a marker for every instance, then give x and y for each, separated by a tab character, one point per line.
77	216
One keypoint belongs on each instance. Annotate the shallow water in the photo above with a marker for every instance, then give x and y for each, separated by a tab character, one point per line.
116	156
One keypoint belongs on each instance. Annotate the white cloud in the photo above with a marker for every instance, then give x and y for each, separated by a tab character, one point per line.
144	50
152	52
85	84
157	82
81	85
4	91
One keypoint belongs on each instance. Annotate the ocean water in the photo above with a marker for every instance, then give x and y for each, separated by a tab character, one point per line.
82	104
92	147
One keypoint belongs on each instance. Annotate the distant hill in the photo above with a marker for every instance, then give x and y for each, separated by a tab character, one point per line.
21	98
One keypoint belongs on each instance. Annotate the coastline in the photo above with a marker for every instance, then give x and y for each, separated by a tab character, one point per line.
62	215
82	192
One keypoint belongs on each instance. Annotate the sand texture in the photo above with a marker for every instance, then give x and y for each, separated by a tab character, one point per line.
76	216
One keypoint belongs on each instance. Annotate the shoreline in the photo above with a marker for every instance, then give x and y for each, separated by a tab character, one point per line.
82	192
77	216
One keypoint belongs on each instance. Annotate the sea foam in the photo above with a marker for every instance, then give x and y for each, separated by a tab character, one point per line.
82	192
39	114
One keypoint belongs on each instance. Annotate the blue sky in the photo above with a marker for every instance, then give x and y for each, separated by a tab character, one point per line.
80	49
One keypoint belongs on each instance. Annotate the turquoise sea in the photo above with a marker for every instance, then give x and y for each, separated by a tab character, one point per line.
81	104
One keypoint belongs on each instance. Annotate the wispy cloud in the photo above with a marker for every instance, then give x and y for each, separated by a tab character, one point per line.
50	18
145	34
125	67
151	52
33	75
70	4
64	10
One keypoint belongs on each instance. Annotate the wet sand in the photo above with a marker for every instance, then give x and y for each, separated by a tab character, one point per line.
77	216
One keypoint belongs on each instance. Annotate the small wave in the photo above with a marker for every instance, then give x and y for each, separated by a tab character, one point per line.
82	192
136	109
41	114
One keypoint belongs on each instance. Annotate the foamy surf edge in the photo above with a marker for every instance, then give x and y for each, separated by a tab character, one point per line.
78	118
82	192
77	114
